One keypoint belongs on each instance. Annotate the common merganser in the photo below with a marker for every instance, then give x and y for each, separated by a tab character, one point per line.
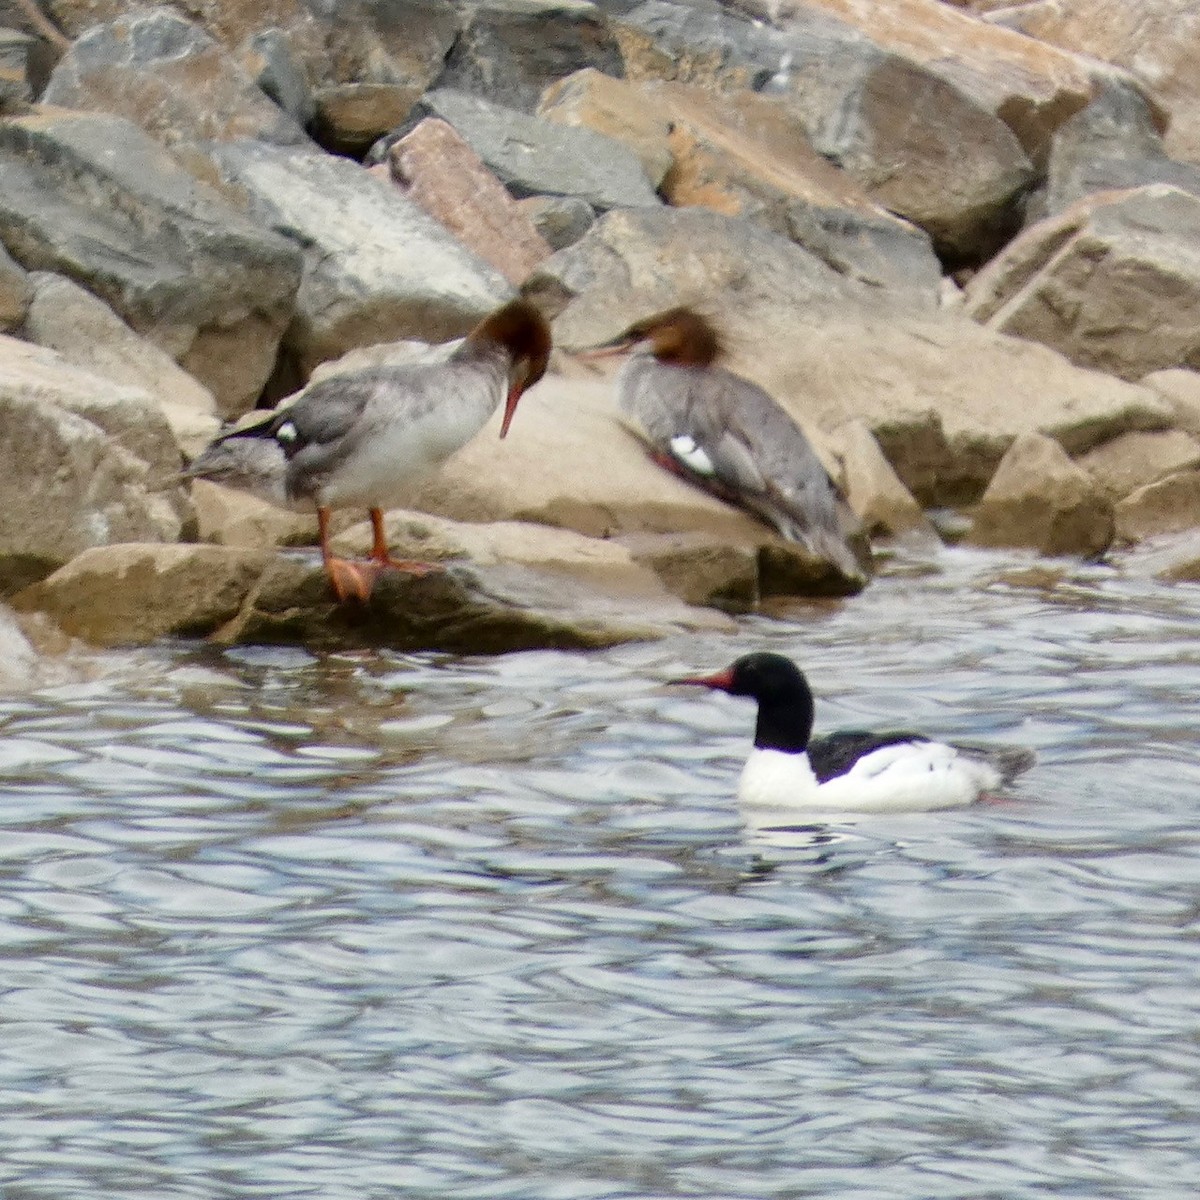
357	440
727	434
852	771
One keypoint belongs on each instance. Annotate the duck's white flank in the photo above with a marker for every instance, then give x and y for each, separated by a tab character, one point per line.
905	777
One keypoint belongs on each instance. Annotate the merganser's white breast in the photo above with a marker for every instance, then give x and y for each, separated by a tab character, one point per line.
902	777
407	430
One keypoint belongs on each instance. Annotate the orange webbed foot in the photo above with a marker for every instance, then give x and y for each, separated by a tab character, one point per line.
351	580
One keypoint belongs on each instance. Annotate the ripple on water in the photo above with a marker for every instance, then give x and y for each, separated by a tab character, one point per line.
277	923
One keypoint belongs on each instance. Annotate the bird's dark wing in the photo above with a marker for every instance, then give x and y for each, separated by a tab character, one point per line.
835	753
322	416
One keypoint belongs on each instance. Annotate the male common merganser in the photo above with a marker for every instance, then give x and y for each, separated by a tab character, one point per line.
356	440
896	771
727	434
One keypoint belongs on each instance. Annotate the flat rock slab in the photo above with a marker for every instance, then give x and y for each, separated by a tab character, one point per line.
533	156
133	594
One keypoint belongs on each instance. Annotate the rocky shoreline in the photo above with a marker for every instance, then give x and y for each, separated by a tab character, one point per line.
959	242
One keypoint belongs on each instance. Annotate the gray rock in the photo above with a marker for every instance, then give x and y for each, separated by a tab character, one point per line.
533	156
1114	143
15	293
377	268
94	198
633	262
511	49
16	84
919	145
170	77
68	319
273	64
560	220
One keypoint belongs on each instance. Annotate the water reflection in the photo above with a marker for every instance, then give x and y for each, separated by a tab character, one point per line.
368	924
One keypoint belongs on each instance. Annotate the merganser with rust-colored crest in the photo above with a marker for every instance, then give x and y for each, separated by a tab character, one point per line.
853	771
359	439
727	434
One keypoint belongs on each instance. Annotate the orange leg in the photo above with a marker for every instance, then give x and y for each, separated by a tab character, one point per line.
380	554
349	580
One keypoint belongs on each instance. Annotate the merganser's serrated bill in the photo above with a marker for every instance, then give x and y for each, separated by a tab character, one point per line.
894	771
728	435
360	439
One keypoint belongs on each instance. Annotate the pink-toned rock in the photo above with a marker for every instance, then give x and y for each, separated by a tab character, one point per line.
439	171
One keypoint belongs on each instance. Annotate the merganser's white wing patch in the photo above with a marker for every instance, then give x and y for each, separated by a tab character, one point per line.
692	454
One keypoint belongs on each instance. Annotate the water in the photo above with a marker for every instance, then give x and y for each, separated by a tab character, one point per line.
380	925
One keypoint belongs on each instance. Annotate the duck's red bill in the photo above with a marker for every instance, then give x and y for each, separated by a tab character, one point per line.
721	681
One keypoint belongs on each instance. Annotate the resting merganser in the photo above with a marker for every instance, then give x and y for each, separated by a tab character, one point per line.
896	771
727	434
356	440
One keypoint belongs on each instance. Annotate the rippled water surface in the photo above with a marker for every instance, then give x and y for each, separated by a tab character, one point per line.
385	925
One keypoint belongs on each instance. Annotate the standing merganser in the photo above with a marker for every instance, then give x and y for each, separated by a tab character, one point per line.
896	771
357	440
727	434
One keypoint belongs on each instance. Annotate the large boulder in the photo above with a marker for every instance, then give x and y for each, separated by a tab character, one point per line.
505	589
1157	40
592	100
510	50
893	123
748	156
96	199
434	166
169	76
1040	499
66	318
98	458
376	267
1030	86
637	261
1115	143
532	156
395	46
1113	283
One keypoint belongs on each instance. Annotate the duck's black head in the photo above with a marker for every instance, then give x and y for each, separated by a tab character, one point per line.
785	702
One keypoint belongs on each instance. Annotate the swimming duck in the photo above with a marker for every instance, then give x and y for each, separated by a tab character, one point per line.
359	439
727	434
852	771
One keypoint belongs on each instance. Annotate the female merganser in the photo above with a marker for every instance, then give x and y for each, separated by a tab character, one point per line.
896	771
356	440
727	434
